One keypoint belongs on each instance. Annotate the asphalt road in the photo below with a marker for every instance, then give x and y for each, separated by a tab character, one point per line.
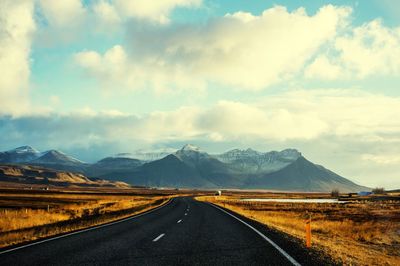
184	232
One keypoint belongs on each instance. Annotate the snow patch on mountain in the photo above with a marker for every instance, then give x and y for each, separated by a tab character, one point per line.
56	157
146	155
20	155
190	147
191	154
24	149
253	161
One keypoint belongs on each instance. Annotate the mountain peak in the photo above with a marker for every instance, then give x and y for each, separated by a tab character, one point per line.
25	149
290	153
190	147
55	156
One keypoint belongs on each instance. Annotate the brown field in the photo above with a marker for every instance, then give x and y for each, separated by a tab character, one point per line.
364	231
26	215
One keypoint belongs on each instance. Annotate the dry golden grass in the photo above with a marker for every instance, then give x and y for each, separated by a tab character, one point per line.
26	217
358	233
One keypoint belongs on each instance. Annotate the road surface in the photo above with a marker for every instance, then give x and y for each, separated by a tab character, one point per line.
183	232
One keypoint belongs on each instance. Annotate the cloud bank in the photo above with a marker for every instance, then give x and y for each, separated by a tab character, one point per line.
16	28
296	115
249	52
240	50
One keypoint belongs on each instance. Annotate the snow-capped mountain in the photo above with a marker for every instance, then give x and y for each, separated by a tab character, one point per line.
20	155
56	157
112	165
190	148
144	155
191	167
253	161
52	158
191	154
24	150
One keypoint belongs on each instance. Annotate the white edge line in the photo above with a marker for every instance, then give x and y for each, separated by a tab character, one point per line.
158	237
284	253
85	230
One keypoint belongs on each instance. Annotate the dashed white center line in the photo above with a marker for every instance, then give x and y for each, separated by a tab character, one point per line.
158	237
179	221
185	213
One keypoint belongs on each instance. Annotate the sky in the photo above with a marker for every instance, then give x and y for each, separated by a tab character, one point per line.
94	78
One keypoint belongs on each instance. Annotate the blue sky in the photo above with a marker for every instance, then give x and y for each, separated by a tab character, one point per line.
94	78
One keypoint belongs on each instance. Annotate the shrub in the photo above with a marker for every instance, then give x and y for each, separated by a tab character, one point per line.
335	193
378	190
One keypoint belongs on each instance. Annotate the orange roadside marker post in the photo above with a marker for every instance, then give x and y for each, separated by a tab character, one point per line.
308	232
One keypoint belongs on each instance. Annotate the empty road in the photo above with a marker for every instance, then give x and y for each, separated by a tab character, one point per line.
183	232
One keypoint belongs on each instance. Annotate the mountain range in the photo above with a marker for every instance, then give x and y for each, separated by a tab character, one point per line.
190	167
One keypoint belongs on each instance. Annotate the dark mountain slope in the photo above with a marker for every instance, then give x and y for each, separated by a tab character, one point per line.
302	175
171	171
19	155
60	161
190	167
111	165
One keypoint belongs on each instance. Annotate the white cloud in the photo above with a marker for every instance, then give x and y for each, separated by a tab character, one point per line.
323	68
382	158
239	50
157	11
371	49
235	120
299	115
63	13
16	29
368	50
106	12
75	18
306	115
109	68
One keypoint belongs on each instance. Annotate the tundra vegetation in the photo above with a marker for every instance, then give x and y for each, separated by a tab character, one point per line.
29	215
361	231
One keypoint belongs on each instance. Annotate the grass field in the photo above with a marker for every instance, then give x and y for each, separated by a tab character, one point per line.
359	232
27	215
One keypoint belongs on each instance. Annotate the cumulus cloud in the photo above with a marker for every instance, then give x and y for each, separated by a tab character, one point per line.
239	50
73	13
384	159
16	29
235	120
63	13
111	67
106	12
323	68
66	21
368	50
246	51
157	11
299	115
